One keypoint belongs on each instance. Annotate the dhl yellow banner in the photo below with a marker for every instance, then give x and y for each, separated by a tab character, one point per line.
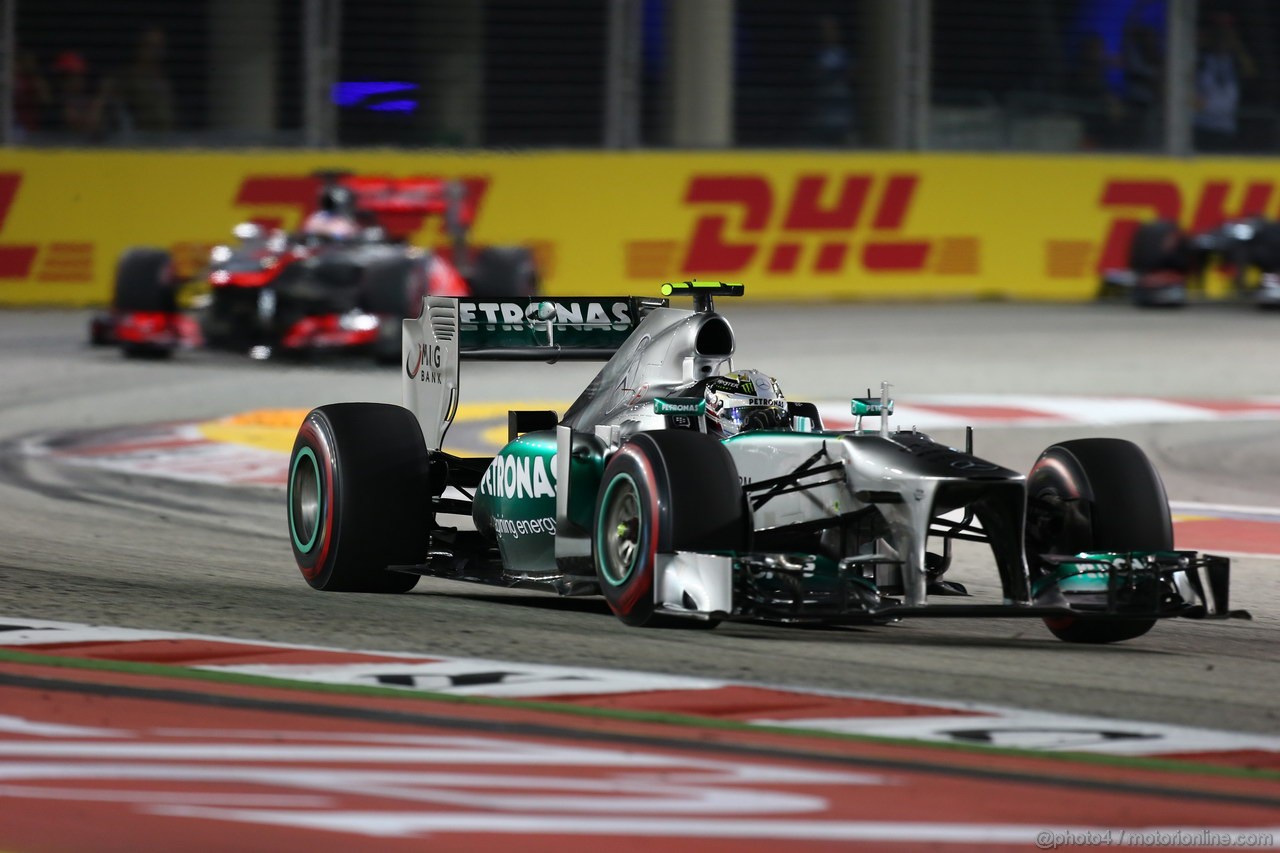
793	225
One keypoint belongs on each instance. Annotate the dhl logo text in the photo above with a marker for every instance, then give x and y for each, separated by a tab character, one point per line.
814	223
56	261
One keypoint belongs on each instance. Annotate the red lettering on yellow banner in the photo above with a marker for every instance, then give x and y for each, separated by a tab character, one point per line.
1211	211
1147	200
709	251
830	208
16	261
297	191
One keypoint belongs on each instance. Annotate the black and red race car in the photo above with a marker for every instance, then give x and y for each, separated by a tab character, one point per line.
1168	266
344	282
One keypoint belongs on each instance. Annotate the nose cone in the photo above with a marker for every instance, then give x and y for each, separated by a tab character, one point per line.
913	455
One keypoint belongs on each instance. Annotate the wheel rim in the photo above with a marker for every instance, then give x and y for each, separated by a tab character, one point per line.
620	528
304	500
1058	526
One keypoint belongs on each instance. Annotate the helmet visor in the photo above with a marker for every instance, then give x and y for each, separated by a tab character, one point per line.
744	418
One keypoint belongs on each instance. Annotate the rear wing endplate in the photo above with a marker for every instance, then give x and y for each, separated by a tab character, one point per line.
451	329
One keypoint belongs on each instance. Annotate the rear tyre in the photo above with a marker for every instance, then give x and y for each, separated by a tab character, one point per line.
359	497
1095	494
504	271
663	491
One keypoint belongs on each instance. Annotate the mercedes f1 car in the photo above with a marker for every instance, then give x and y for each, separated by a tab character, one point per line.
680	489
344	283
1168	267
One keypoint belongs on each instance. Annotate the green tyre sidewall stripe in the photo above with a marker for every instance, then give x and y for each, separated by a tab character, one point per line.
305	547
601	552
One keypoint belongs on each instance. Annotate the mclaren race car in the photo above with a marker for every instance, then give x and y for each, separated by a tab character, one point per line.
343	283
679	488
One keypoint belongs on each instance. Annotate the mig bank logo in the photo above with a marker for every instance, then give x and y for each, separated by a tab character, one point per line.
803	225
424	362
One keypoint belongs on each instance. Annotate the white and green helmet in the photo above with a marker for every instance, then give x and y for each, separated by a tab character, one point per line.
745	400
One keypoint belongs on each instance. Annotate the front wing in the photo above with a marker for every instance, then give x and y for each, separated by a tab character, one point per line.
800	588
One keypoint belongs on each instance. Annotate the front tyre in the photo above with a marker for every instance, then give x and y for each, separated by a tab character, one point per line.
144	282
662	492
359	497
1095	494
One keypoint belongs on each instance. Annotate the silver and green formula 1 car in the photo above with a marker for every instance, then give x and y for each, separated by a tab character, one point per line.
638	493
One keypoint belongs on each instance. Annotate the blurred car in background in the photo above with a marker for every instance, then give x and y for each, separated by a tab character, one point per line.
1168	266
343	282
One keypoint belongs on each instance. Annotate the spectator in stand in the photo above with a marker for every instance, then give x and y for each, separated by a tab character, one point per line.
1142	61
1221	67
32	97
82	112
148	95
831	122
1103	112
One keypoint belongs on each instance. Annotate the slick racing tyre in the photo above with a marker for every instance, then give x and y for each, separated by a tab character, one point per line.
144	282
663	491
102	331
1159	245
504	271
359	497
1095	494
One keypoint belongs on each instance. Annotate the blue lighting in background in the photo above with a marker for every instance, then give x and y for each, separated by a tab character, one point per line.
394	106
1116	23
368	94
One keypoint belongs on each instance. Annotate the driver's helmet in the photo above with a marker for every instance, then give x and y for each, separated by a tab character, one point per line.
334	226
337	199
744	400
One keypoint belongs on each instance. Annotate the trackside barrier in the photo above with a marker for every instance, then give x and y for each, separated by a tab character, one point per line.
794	225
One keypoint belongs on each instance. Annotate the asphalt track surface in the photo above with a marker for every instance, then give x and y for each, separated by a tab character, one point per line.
79	544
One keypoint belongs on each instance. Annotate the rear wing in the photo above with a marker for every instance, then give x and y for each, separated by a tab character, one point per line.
399	205
450	329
